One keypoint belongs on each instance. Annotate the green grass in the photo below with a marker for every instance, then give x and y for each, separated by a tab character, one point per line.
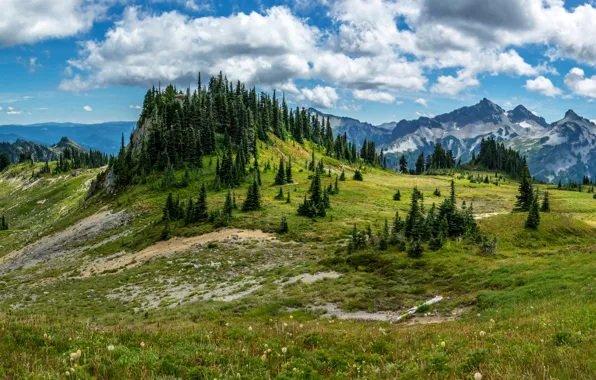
537	288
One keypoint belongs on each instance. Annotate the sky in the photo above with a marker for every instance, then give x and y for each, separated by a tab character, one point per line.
92	61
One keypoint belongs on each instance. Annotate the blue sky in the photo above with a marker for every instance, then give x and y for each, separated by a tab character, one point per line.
376	60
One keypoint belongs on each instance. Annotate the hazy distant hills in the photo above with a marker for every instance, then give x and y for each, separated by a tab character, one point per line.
104	137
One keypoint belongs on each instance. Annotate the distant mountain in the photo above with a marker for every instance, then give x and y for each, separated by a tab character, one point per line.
37	152
563	150
104	137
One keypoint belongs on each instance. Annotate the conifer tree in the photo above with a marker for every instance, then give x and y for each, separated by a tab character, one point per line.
314	205
3	224
189	212
253	197
545	207
526	193
166	233
288	197
403	164
280	177
200	213
533	220
289	178
228	207
358	175
280	194
283	227
342	176
336	186
452	193
397	196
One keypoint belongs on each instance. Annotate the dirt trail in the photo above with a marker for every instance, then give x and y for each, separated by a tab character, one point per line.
489	214
167	248
63	242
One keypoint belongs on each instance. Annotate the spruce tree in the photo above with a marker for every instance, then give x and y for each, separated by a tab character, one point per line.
452	193
228	207
342	176
289	178
201	214
526	193
280	194
358	175
280	177
3	224
533	220
397	196
545	207
166	233
314	205
283	227
336	186
253	197
288	197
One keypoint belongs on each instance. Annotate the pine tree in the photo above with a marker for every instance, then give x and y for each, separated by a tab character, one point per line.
166	233
3	224
403	164
397	196
280	194
200	213
253	197
288	197
228	207
545	207
314	205
437	192
289	178
283	227
336	186
280	177
452	193
533	220
342	176
358	176
526	193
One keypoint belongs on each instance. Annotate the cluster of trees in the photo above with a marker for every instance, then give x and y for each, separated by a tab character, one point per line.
420	226
494	156
441	158
4	161
577	186
528	199
3	224
317	202
72	159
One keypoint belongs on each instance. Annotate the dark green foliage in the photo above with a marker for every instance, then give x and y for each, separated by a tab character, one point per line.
3	224
288	197
280	194
336	186
526	193
403	165
228	207
318	201
358	176
200	213
545	207
4	161
358	240
533	220
166	233
437	192
283	227
342	176
280	177
494	156
416	249
169	178
289	178
397	196
253	197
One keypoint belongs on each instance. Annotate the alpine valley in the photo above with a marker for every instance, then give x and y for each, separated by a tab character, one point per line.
564	150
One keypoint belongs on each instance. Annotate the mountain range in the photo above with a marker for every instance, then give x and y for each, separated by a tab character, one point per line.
37	152
104	136
564	150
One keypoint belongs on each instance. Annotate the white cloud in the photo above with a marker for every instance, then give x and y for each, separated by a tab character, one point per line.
373	96
42	109
542	86
399	102
450	85
324	97
87	108
576	81
13	111
31	21
68	71
1	108
421	102
137	107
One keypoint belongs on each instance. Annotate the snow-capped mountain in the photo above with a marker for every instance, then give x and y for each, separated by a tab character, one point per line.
563	150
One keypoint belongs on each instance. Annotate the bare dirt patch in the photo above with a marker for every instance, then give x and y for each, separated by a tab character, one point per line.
63	242
168	248
308	278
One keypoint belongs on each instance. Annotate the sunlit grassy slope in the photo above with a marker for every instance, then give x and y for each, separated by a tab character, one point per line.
527	312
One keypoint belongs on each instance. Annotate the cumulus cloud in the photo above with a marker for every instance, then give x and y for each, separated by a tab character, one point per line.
421	102
87	108
137	107
319	96
1	108
31	21
542	86
578	83
373	96
13	111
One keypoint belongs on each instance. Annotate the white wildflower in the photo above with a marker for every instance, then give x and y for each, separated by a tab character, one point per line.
477	376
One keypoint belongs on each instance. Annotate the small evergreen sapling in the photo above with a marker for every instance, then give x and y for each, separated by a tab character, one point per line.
545	207
358	175
533	220
397	196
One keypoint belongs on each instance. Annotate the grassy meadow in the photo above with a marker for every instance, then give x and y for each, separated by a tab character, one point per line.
291	306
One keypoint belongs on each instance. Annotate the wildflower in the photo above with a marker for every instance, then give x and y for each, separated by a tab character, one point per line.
284	350
142	344
110	348
291	317
268	350
301	325
492	321
249	328
285	324
227	324
477	376
264	357
443	344
45	335
67	373
75	355
72	370
482	334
